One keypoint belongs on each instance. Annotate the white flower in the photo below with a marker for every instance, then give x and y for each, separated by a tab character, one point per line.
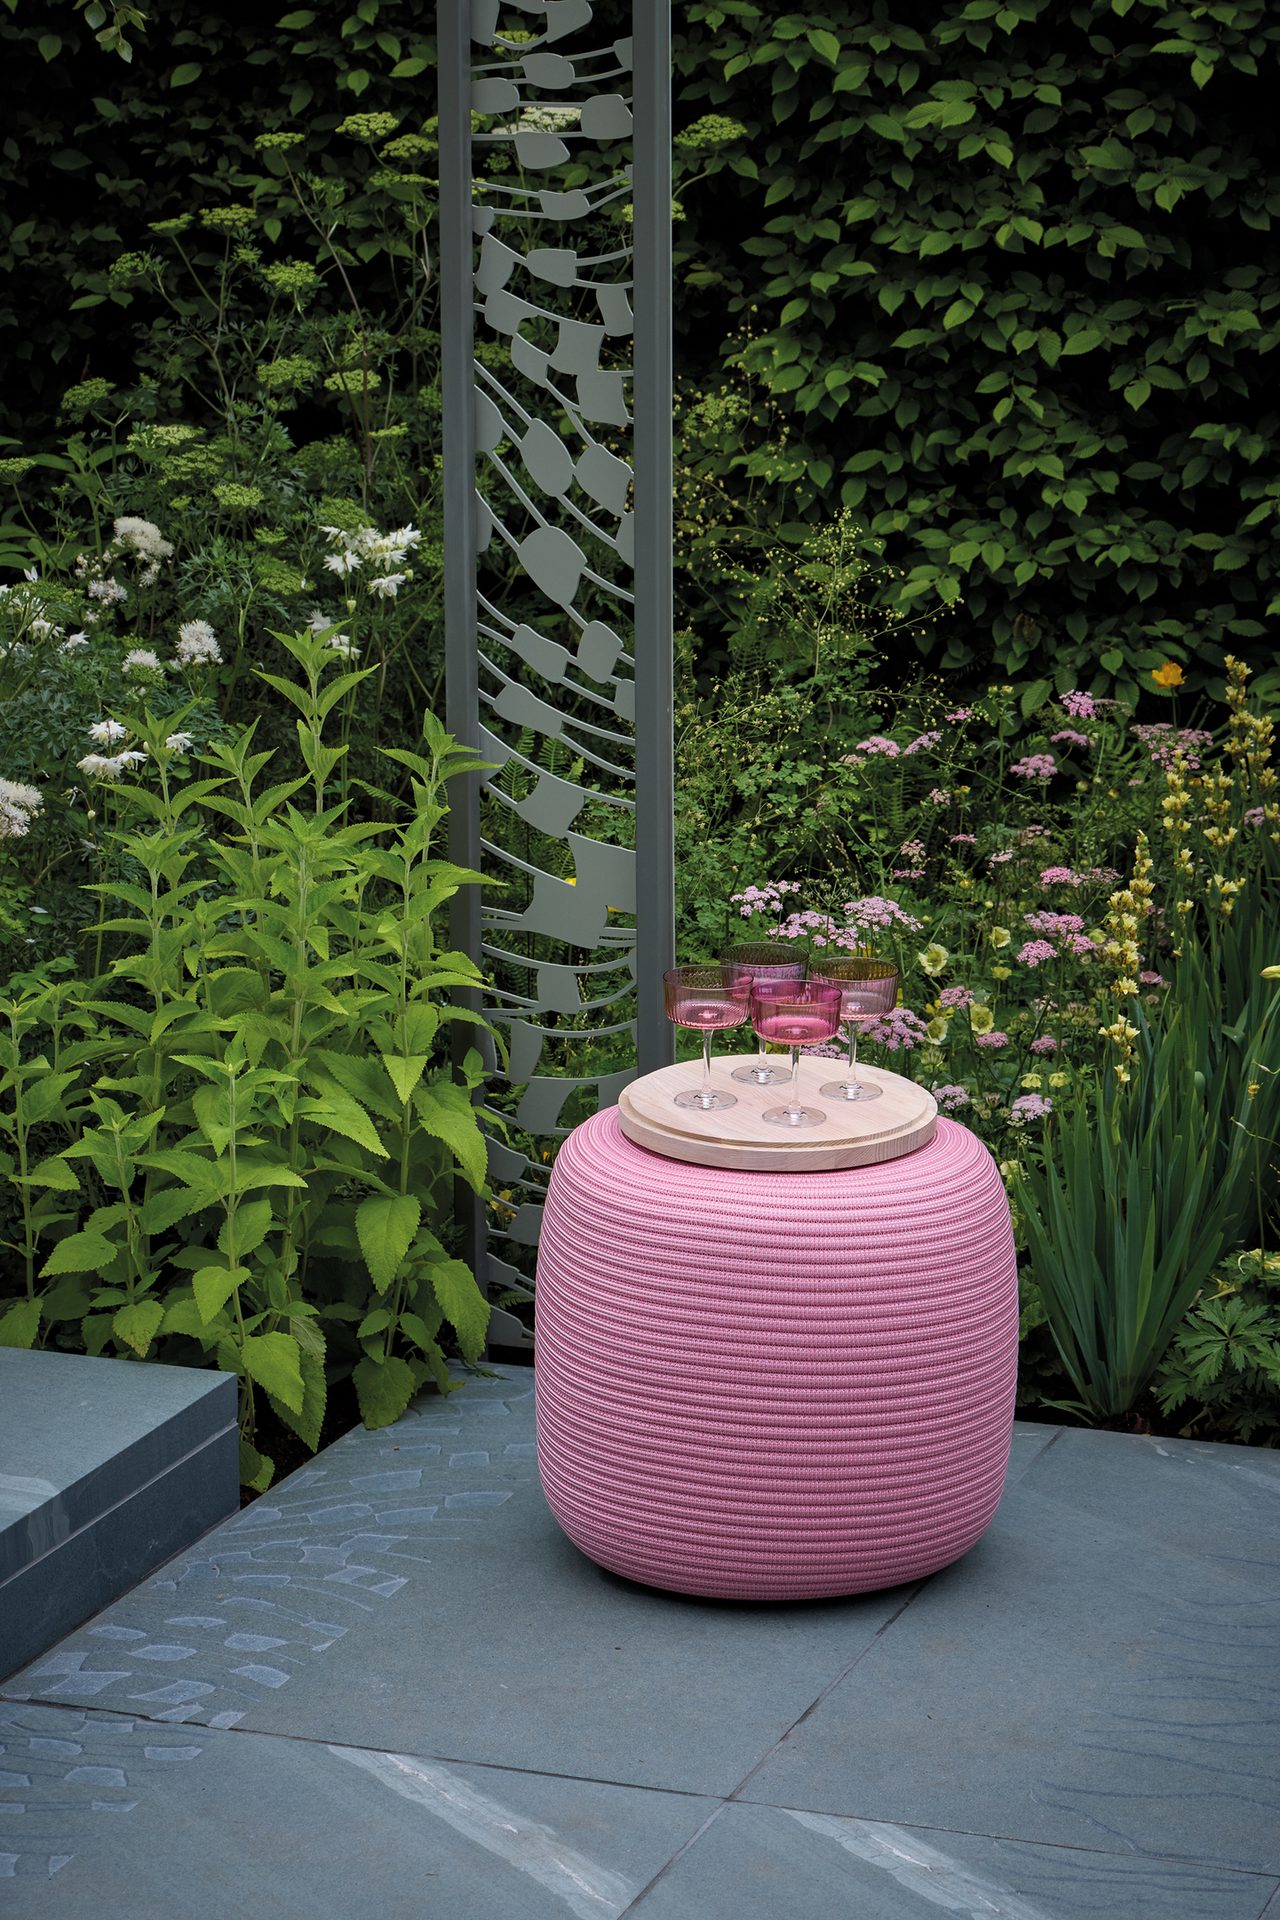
343	563
106	732
18	804
131	757
31	573
100	766
197	644
341	643
388	585
142	660
180	742
73	641
108	591
144	537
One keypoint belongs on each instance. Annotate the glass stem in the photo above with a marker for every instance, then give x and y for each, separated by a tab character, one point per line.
794	1106
762	1063
853	1053
707	1091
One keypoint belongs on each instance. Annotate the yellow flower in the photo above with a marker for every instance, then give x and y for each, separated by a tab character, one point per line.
1031	1081
981	1019
1271	973
1059	1079
937	1028
999	937
933	959
1169	675
1001	973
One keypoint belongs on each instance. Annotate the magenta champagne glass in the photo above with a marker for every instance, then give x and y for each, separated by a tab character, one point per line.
804	1014
868	990
759	961
705	999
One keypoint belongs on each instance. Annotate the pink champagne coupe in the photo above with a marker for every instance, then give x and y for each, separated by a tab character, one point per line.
802	1015
868	990
705	999
762	961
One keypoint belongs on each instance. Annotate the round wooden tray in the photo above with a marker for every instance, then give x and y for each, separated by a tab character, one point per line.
858	1133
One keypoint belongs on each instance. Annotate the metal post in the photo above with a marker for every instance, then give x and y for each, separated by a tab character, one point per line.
651	439
457	382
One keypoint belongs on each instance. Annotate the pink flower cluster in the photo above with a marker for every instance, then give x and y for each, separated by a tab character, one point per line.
875	911
1081	706
959	713
897	1029
950	1099
939	797
1030	1106
1044	1043
1254	816
1060	877
1035	952
1070	737
993	1039
964	839
1165	743
878	743
913	852
766	899
1152	980
955	998
1046	921
1036	766
922	743
1066	928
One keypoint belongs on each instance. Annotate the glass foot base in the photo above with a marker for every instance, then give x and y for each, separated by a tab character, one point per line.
757	1076
706	1102
794	1116
849	1090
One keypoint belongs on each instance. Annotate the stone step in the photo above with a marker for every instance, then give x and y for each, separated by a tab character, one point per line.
107	1468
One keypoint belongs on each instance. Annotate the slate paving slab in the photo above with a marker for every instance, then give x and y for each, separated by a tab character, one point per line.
1099	1672
391	1686
411	1590
764	1863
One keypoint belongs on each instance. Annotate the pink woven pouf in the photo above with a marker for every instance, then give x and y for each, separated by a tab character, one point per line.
774	1386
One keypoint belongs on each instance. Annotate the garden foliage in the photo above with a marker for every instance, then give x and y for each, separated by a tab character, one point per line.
1006	273
231	1131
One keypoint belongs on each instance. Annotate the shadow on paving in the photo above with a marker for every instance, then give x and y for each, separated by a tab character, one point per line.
392	1687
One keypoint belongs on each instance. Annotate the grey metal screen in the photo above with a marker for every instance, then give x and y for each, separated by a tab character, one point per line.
556	317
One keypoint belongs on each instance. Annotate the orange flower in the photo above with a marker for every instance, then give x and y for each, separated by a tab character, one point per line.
1169	675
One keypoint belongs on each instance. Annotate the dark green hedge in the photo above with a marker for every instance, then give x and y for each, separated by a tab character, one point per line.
1012	267
1005	270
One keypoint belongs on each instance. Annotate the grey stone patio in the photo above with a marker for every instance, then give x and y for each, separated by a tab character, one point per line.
392	1688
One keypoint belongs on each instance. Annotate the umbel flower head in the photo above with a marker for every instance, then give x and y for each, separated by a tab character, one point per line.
197	645
19	805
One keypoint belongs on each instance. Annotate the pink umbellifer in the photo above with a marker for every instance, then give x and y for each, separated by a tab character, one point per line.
774	1386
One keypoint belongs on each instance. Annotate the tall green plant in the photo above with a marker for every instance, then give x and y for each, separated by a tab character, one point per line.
1139	1194
265	1134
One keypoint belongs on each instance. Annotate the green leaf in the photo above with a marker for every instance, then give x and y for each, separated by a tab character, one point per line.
446	1112
257	1470
273	1360
252	1225
20	1324
384	1389
385	1226
53	1172
49	45
405	1070
463	1304
307	1421
184	75
214	1286
825	43
138	1325
80	1253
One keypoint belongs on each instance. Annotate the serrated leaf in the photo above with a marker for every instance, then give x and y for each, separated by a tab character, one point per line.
20	1324
385	1226
80	1253
53	1172
257	1470
138	1325
405	1071
252	1225
307	1420
463	1304
212	1287
273	1360
446	1112
384	1389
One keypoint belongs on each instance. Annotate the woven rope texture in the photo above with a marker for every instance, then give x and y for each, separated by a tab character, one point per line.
771	1386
